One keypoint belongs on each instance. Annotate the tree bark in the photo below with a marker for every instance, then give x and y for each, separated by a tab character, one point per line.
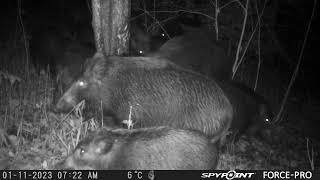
110	24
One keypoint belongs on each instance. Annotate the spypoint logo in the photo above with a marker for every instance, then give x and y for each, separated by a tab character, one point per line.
151	175
232	174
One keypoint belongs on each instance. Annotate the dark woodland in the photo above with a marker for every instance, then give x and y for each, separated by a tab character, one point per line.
230	84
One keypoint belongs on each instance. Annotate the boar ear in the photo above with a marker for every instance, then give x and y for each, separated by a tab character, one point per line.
90	62
98	55
101	146
104	145
105	140
94	67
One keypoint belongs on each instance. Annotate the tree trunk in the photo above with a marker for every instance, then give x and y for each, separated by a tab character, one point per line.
110	24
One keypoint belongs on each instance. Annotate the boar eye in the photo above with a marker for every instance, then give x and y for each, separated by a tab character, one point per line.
141	52
82	83
82	151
